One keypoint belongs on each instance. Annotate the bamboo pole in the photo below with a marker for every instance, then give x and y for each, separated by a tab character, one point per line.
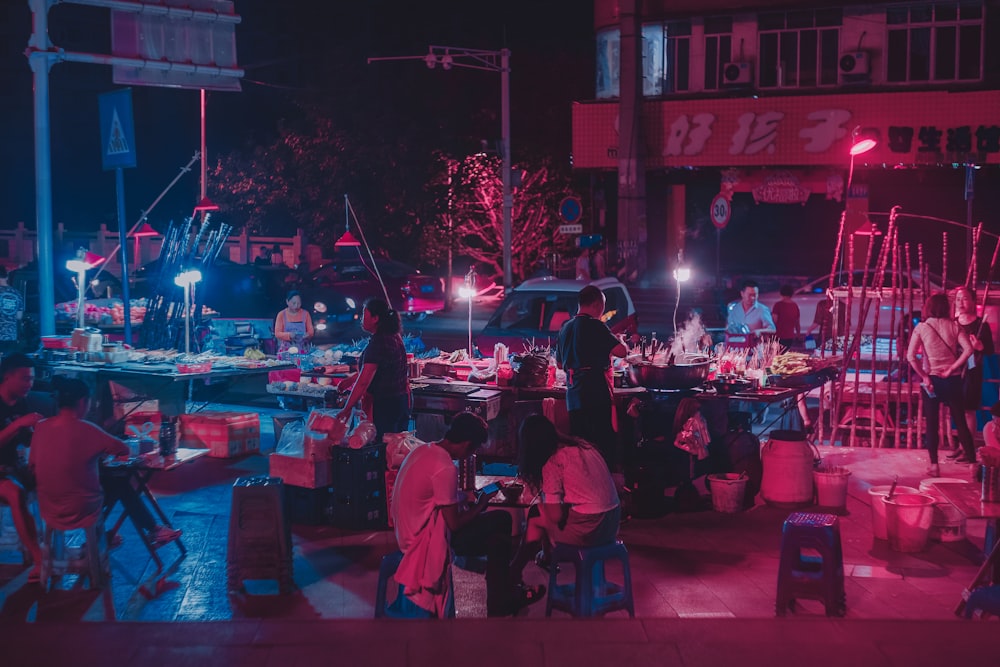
912	434
944	260
854	346
896	357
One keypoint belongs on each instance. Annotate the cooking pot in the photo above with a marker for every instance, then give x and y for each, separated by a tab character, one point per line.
691	371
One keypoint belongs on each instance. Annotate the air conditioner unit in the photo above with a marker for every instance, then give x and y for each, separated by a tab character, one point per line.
855	64
736	74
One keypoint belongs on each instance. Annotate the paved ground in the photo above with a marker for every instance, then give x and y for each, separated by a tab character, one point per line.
704	586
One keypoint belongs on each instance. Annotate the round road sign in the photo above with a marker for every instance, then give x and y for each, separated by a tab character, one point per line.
570	209
721	211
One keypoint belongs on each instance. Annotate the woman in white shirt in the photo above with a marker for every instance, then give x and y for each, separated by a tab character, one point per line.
579	499
938	351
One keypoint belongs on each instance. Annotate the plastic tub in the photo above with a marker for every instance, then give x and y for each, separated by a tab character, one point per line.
831	487
728	492
876	493
908	521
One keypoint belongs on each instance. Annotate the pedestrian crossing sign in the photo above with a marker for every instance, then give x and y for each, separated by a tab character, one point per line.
117	129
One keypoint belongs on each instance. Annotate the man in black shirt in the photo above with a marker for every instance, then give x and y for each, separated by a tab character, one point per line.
17	374
585	347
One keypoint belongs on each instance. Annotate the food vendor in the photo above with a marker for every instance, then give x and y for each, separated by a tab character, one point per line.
584	351
293	327
748	315
382	377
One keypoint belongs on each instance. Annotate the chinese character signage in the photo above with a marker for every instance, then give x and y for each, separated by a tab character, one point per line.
912	128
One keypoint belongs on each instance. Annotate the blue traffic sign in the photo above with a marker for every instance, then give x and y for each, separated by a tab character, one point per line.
570	209
117	130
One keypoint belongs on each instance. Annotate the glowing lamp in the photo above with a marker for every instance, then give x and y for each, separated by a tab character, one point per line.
187	278
466	292
206	204
863	141
682	274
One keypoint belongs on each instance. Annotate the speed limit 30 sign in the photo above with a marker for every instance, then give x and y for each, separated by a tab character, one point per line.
721	211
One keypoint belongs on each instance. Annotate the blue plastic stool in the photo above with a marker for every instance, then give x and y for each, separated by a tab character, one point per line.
985	600
809	577
591	594
402	606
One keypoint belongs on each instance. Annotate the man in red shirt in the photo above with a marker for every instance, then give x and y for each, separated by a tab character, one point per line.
786	317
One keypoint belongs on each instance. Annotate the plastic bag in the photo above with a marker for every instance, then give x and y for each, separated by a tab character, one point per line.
325	421
397	446
292	437
694	437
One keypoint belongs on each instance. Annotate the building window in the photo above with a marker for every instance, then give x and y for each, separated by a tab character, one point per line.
799	49
678	57
934	42
718	49
653	73
608	63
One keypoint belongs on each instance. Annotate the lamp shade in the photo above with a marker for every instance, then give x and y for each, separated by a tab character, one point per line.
84	261
145	230
863	140
187	278
347	241
868	229
206	204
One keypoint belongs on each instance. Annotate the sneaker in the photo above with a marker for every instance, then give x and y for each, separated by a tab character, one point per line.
163	534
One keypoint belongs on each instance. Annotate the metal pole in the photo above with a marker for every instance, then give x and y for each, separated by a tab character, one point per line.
187	319
126	302
204	155
508	201
39	60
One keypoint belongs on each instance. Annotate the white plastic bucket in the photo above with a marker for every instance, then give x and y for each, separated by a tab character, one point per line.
728	492
876	493
831	487
908	521
927	485
788	463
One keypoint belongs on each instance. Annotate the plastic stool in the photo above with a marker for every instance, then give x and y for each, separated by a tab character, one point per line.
260	541
591	594
94	565
402	606
33	509
983	602
807	576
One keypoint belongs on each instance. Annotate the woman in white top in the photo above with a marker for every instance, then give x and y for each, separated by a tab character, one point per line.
943	348
579	499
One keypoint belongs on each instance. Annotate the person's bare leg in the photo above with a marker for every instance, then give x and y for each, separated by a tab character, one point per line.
534	538
15	497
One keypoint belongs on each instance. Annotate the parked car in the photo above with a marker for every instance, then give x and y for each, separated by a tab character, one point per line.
808	297
335	294
536	309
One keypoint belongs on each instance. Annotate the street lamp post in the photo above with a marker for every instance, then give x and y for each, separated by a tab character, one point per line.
490	61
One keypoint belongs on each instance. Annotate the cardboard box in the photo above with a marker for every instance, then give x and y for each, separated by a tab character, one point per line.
305	473
224	434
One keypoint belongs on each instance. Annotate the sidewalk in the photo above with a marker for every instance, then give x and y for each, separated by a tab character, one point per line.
704	587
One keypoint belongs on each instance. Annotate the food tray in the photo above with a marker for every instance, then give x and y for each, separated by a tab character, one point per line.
811	379
201	367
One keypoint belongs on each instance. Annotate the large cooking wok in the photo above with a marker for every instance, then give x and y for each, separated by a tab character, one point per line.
690	371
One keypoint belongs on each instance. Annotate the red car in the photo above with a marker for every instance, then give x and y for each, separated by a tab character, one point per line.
334	294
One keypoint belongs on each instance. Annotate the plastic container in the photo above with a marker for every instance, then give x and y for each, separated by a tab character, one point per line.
947	523
788	465
991	484
876	493
908	521
831	487
728	492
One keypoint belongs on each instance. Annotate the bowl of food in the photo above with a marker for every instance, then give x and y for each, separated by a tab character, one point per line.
512	492
730	384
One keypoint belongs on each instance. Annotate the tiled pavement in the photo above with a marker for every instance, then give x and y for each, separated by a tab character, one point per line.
703	583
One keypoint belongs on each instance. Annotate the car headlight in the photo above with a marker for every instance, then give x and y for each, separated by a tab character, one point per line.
321	326
319	307
350	303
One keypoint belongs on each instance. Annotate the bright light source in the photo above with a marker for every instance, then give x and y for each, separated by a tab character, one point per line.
77	265
350	303
321	326
466	292
682	274
319	307
863	146
187	278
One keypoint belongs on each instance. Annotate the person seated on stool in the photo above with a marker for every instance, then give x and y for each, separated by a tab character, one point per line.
65	456
429	516
579	504
17	375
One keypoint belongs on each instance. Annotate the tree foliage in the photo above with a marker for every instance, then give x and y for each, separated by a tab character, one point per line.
467	196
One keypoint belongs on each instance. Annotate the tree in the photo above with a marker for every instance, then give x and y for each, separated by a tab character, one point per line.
466	198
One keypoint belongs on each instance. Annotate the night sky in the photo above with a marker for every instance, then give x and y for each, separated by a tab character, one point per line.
311	51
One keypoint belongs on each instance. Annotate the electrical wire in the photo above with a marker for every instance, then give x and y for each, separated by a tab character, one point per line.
374	266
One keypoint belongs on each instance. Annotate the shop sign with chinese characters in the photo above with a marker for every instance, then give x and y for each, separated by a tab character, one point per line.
913	128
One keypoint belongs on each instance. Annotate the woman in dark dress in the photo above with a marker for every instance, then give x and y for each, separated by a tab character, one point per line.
981	338
382	377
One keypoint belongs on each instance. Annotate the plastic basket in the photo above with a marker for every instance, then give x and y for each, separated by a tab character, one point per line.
200	367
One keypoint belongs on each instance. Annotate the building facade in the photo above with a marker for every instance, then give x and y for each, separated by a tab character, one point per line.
706	117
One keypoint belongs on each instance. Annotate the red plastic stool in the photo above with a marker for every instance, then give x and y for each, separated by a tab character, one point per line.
810	577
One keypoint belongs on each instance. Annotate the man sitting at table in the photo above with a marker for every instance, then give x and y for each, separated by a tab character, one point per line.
428	516
66	452
17	375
